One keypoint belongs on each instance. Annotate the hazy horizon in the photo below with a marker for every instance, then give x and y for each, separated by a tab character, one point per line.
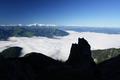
104	13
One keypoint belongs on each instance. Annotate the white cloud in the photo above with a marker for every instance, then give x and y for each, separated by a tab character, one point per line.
37	24
59	48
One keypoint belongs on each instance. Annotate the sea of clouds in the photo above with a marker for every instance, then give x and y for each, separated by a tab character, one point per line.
59	47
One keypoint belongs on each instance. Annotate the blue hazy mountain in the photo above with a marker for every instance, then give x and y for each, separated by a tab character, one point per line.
92	29
29	31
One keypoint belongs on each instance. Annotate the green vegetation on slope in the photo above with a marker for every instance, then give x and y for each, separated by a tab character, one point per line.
102	55
29	31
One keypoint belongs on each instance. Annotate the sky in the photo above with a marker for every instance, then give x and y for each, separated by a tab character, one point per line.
93	13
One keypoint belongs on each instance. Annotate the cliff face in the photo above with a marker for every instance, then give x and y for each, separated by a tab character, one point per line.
36	66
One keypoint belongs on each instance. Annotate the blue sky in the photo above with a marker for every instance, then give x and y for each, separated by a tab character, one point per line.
95	13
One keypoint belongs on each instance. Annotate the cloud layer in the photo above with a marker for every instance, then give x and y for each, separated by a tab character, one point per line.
59	48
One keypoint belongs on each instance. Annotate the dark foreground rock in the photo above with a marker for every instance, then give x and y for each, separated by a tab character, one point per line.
12	52
36	66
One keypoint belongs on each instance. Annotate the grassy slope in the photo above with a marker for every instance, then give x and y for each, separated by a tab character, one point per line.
102	55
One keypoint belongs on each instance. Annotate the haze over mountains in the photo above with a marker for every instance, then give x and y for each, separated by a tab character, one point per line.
31	30
108	30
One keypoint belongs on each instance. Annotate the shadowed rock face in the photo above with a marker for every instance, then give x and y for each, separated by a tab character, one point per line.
110	69
80	58
36	66
80	53
12	52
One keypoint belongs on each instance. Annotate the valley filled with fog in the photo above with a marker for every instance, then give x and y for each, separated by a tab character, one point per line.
59	47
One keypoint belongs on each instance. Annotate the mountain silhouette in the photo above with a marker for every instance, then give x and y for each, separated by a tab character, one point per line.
110	69
36	66
11	52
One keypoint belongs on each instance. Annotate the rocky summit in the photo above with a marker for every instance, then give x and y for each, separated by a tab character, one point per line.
36	66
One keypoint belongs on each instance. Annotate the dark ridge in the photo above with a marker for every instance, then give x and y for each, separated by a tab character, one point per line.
11	52
36	66
110	69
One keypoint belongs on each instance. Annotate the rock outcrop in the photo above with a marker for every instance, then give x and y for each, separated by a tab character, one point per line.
36	66
12	52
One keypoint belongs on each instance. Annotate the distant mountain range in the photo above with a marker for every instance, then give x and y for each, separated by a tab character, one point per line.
48	30
107	30
29	31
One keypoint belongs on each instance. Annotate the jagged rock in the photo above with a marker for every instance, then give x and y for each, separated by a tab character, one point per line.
36	66
80	53
80	57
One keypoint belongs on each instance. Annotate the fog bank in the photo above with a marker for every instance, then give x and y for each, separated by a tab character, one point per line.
59	47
